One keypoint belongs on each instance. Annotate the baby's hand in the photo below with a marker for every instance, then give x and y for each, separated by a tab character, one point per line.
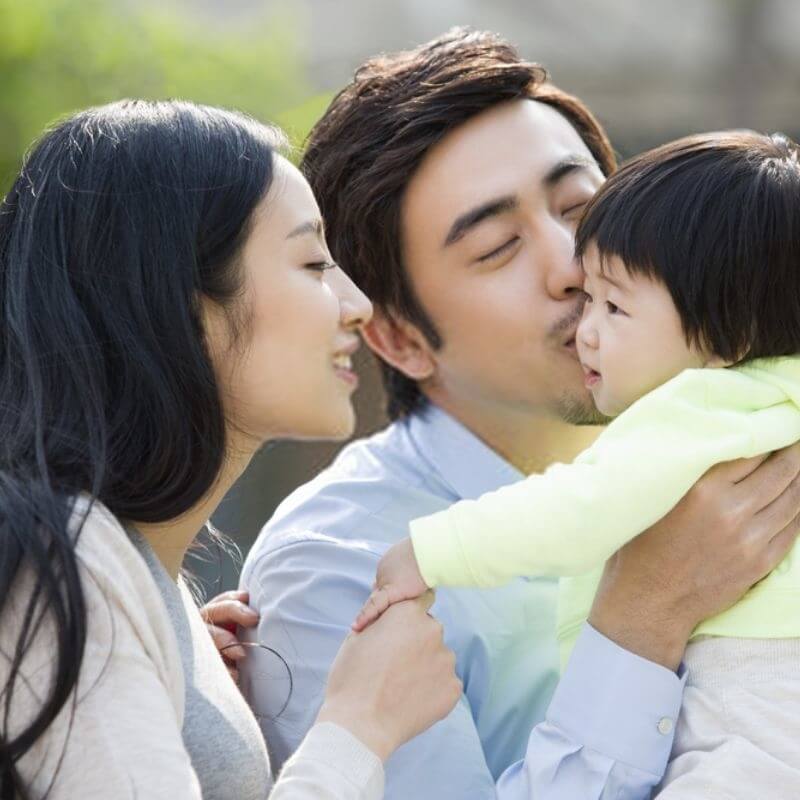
398	578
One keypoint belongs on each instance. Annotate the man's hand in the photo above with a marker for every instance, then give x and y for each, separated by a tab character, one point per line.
398	578
222	615
732	528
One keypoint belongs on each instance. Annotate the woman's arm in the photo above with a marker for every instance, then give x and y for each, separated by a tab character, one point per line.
387	684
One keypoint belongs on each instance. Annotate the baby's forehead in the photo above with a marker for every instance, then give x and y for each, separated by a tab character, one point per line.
609	269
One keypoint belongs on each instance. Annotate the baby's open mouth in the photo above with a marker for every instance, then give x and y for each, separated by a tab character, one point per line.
590	376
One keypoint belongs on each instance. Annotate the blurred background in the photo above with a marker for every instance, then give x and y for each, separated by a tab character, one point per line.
651	71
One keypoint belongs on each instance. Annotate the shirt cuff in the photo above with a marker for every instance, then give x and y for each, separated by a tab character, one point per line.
331	745
617	703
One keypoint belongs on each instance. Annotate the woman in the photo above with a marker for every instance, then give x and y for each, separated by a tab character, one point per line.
167	305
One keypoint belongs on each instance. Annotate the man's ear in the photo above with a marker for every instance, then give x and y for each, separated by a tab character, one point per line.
400	344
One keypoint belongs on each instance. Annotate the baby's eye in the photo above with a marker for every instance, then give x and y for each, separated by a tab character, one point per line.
613	309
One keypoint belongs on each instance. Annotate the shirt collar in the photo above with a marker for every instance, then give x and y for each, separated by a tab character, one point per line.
470	467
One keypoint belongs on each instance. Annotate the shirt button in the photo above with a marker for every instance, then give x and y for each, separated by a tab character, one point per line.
665	726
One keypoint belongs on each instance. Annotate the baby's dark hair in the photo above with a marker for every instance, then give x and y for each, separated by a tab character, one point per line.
716	218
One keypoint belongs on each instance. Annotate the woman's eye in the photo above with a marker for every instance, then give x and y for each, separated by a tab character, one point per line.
500	250
320	266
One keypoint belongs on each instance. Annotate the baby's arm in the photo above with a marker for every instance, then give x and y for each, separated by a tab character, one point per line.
398	578
573	517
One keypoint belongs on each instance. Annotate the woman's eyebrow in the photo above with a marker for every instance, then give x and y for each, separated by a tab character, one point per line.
311	226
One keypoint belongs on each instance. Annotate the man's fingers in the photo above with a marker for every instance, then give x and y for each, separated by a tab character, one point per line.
781	544
781	512
230	612
738	470
771	479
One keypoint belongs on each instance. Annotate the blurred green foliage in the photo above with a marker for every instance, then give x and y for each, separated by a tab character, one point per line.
57	56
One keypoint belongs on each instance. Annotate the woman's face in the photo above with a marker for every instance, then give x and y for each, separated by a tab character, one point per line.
288	374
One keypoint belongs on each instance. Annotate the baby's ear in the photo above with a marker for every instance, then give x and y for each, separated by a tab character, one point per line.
717	362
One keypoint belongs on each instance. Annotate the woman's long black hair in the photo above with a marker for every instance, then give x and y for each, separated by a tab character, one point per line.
121	219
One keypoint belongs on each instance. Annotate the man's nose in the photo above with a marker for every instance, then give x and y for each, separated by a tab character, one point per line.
565	275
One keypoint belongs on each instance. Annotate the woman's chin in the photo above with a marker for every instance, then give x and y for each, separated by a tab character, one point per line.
331	427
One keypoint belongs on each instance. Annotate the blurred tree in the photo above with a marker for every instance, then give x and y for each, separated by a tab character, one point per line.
57	56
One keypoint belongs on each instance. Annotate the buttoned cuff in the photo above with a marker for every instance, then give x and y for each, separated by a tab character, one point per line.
617	703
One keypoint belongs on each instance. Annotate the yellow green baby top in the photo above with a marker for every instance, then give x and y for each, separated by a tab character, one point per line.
570	519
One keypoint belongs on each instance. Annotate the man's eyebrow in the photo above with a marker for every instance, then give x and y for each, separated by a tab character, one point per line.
469	219
312	226
566	166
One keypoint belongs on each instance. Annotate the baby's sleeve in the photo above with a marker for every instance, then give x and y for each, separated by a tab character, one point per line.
574	516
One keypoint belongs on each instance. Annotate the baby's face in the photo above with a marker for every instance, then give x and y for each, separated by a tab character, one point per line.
630	339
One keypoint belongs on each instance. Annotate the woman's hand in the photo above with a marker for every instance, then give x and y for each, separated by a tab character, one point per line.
222	615
394	680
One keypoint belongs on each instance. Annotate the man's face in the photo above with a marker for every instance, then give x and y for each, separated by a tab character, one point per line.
488	225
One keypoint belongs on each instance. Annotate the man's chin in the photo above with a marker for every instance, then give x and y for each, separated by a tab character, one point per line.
579	409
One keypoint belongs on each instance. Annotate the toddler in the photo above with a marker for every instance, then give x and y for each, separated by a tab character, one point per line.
690	338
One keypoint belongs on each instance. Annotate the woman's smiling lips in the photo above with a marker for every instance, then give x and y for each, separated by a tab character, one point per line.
343	364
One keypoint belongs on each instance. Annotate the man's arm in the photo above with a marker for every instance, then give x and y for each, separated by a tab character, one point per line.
609	728
608	731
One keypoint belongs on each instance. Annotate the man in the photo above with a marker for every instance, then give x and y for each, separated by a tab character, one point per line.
451	179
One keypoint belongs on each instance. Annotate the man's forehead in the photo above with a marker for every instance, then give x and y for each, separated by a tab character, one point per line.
505	152
512	145
510	133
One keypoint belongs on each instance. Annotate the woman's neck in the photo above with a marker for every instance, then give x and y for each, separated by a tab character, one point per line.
170	540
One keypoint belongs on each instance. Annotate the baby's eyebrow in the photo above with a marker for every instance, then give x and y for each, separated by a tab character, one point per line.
614	283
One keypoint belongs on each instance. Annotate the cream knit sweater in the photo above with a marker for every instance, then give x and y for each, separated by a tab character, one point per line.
124	735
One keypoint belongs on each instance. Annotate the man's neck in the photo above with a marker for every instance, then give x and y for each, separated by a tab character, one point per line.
529	442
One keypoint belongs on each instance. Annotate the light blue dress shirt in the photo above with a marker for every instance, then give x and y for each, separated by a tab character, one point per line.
605	733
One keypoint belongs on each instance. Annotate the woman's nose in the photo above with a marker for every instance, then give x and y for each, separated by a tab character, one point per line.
355	308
